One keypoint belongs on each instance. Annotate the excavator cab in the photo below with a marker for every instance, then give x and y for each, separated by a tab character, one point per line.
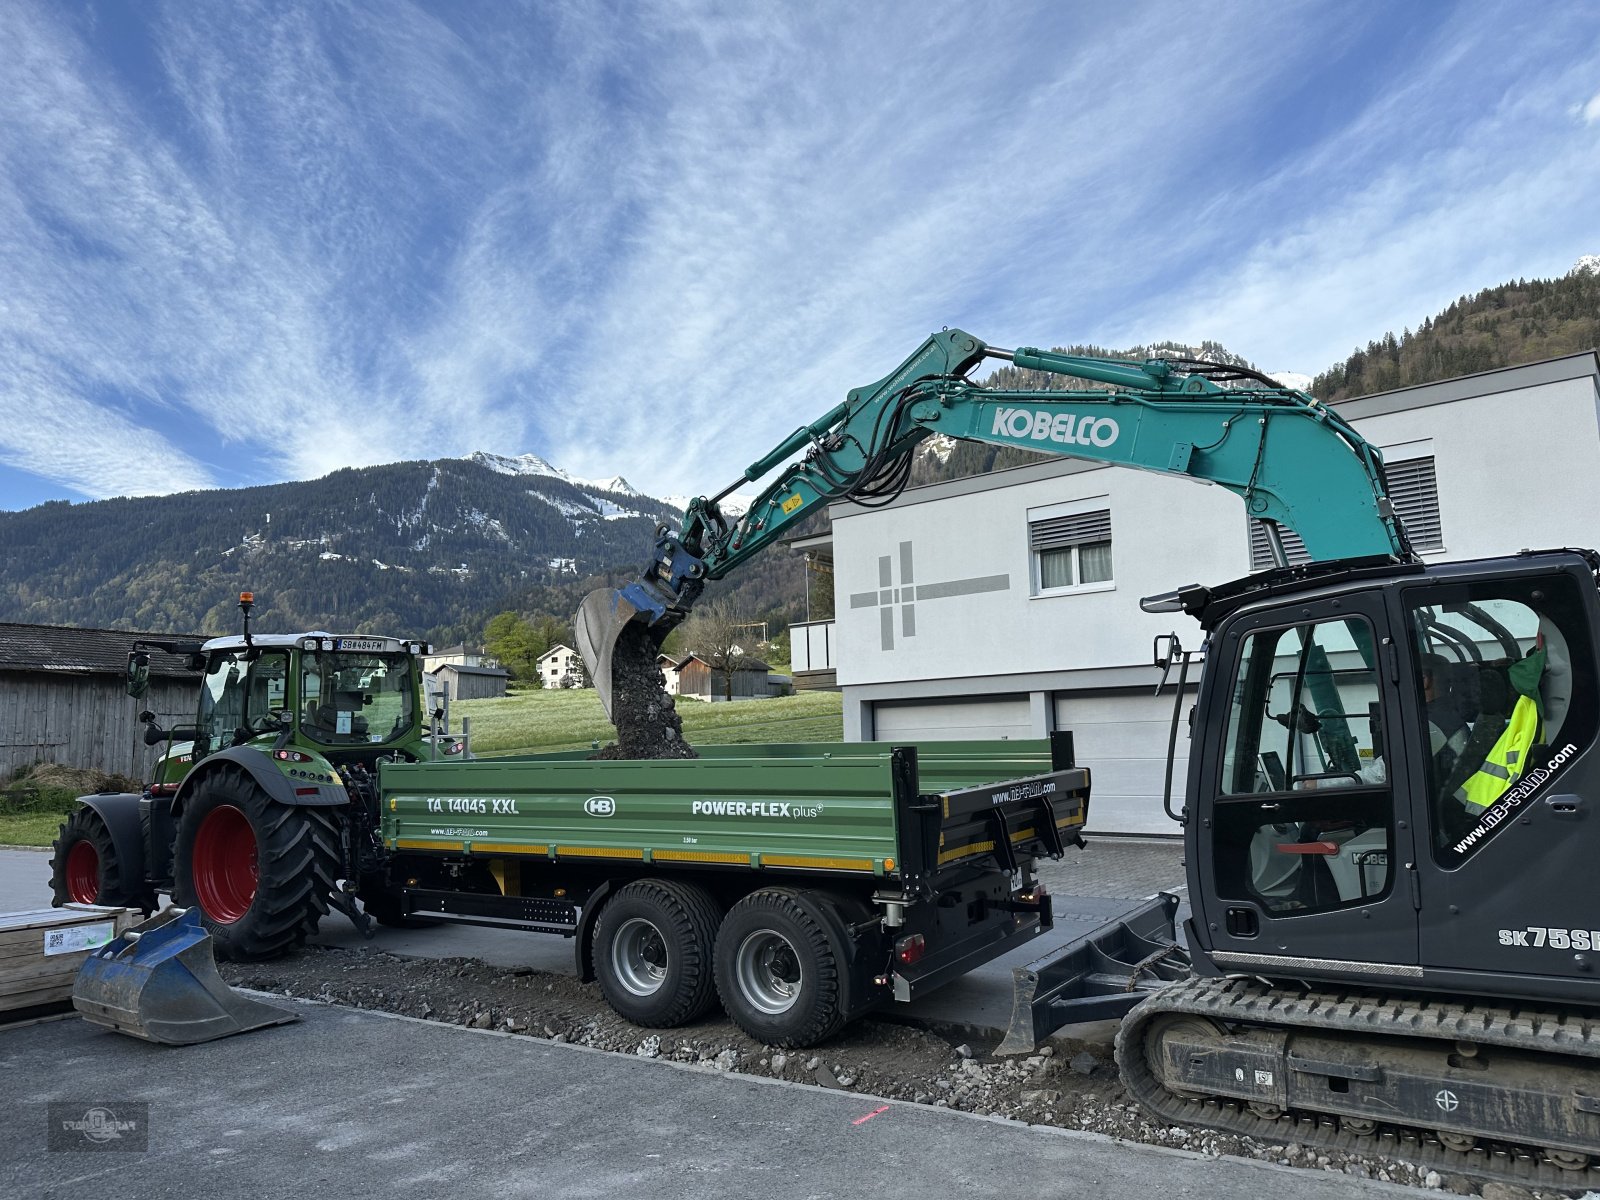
1356	801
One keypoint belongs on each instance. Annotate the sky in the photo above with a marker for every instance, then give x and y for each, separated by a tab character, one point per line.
242	243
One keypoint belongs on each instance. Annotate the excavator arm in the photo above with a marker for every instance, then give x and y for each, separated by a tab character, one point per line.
1293	462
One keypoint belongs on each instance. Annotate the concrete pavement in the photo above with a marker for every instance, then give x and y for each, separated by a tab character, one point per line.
359	1104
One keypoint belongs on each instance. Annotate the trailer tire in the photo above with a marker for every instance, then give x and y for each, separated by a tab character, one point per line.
259	871
652	952
85	868
778	970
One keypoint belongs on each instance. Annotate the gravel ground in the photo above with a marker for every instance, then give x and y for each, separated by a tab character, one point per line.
1069	1084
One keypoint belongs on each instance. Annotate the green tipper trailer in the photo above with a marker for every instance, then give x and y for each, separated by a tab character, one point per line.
801	884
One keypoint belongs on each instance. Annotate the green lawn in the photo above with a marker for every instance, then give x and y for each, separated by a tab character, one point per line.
537	721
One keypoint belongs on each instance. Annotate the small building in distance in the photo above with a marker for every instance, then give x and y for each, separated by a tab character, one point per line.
471	683
64	698
561	667
697	678
460	654
670	665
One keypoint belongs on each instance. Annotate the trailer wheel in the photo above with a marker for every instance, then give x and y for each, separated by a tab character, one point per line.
85	868
777	970
260	871
652	952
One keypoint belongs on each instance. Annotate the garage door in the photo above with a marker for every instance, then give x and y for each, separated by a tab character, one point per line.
1122	738
951	720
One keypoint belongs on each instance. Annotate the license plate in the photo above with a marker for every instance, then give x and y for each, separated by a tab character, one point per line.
368	644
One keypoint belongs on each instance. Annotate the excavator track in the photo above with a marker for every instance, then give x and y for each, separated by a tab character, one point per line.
1490	1092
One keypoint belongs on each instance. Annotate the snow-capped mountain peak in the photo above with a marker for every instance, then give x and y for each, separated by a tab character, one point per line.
732	506
1589	263
532	464
1291	379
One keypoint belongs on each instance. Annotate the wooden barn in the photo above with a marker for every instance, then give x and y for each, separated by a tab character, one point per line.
697	678
470	682
64	699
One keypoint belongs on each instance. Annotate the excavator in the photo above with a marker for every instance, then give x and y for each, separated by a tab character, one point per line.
1392	801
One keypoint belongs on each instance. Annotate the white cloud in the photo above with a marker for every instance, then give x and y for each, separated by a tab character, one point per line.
1591	110
653	248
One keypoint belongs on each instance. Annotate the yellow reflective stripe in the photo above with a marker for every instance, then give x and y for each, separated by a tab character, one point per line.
806	860
598	852
508	848
701	856
425	844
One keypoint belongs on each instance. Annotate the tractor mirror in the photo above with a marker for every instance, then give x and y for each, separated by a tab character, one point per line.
138	673
154	735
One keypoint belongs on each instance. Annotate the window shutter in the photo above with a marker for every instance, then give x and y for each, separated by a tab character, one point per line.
1414	488
1261	548
1055	533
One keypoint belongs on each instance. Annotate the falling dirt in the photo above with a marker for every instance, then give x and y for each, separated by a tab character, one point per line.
648	725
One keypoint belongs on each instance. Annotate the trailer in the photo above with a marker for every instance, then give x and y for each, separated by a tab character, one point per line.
803	885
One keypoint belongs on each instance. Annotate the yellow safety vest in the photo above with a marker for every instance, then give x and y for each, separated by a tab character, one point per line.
1505	763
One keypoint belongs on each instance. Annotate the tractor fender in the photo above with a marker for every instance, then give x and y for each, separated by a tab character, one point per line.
584	940
292	793
120	812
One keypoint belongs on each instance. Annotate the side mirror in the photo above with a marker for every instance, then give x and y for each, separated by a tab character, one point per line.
154	735
138	674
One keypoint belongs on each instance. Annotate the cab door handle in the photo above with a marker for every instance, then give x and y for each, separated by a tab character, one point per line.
1564	806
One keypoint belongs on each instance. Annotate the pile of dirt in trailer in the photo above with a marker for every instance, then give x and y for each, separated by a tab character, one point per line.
1073	1085
647	721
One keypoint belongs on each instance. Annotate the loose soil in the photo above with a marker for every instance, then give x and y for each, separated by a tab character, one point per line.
1070	1084
647	721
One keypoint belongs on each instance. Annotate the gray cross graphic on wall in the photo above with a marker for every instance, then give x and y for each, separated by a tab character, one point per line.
908	591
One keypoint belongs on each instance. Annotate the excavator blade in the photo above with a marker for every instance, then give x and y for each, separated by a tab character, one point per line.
601	618
159	982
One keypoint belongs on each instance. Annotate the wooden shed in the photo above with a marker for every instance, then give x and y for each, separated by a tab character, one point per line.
472	683
697	678
64	699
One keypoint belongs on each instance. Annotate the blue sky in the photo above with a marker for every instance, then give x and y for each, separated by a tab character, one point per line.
243	243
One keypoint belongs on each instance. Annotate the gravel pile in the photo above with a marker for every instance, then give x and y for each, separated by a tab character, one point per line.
1073	1085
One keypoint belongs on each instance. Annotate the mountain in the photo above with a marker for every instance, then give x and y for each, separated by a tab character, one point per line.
408	548
1519	322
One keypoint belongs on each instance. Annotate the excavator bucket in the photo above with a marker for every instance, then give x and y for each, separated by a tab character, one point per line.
159	982
601	618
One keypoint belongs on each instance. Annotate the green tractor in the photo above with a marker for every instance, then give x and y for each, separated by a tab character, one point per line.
263	814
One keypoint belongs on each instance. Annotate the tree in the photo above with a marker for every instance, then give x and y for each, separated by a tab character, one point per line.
714	635
515	643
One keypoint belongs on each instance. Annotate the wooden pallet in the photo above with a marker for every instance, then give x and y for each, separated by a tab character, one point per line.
42	949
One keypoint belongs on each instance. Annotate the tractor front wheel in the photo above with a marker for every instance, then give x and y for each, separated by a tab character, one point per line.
259	871
85	868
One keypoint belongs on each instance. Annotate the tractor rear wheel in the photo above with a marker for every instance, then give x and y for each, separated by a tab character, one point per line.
259	871
85	868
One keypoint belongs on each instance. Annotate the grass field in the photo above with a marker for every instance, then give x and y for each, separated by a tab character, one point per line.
536	721
531	722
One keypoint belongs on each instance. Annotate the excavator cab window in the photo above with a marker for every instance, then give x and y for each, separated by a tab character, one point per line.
1496	683
1305	810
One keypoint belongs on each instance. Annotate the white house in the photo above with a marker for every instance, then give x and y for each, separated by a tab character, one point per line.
1006	605
561	667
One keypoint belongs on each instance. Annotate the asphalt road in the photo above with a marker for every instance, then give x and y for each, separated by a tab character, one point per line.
358	1104
1090	887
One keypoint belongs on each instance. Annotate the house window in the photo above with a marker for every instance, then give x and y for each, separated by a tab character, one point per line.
1071	551
1414	489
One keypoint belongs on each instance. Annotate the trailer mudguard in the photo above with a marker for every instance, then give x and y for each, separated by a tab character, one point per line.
120	812
584	939
268	777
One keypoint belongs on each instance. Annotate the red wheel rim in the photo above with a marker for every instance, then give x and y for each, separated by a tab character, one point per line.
83	873
225	864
